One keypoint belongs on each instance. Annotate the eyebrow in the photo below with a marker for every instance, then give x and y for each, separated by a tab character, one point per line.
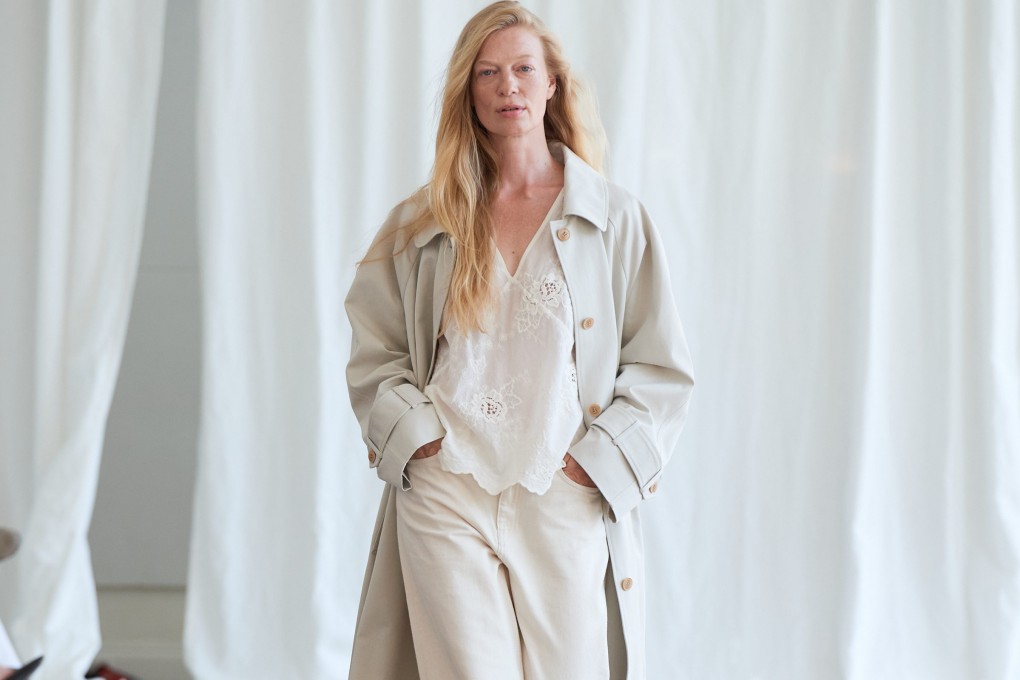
517	58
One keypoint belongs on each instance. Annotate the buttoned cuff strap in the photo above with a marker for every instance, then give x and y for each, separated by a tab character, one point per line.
401	420
621	459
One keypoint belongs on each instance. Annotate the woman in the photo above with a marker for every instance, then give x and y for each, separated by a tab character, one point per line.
521	377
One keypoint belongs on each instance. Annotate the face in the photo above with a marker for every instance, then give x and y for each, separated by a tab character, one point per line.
510	84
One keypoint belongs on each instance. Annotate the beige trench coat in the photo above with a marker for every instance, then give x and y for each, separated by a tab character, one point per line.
634	378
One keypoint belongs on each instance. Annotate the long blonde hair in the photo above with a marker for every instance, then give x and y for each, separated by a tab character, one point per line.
465	173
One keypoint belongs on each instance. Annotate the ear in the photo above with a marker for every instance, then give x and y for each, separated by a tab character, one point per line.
551	89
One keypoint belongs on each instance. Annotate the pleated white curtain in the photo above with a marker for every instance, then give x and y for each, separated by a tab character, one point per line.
78	87
311	121
837	184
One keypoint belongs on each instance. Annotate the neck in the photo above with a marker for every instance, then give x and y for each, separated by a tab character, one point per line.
525	162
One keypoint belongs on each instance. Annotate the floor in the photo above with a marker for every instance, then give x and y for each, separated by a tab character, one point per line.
142	630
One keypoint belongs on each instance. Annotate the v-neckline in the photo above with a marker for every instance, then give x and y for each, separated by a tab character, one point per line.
534	237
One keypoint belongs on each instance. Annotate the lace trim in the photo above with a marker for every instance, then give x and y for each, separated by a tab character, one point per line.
537	478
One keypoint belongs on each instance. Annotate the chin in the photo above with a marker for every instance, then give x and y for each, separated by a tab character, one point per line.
509	130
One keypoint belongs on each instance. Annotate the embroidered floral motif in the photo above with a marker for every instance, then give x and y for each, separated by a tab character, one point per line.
569	397
526	319
539	295
550	290
491	406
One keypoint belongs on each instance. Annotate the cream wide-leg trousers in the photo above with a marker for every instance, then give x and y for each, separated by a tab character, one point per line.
506	587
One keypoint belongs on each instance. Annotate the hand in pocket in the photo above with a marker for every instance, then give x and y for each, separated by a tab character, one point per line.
428	450
575	473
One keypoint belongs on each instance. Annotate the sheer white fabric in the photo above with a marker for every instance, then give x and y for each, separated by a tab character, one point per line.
507	396
79	84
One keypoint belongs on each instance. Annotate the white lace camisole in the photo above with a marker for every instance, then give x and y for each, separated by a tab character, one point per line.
508	397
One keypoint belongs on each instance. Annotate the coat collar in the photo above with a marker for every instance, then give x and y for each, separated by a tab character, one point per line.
585	193
584	190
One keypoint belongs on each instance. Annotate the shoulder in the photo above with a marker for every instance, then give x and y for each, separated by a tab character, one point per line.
622	204
400	233
628	222
407	219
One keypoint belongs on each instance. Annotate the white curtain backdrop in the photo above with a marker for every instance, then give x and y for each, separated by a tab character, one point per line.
78	85
837	184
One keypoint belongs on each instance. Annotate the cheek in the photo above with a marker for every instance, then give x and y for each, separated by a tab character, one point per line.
478	94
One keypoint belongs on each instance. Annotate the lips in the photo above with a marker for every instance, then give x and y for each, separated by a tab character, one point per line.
511	108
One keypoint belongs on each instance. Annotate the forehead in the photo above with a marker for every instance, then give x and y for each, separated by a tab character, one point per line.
510	43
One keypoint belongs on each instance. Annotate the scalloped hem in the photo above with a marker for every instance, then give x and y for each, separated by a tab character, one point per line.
488	483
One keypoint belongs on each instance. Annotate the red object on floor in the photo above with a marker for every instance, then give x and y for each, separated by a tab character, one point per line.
106	672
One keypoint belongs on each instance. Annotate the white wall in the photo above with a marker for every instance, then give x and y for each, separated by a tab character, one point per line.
142	521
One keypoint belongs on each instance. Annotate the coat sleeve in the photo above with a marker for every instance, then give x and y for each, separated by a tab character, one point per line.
395	416
627	446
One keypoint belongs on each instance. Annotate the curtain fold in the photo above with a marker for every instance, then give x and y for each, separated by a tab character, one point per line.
79	81
296	143
837	187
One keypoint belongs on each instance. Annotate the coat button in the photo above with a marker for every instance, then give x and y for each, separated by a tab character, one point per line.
594	410
587	323
563	234
371	456
627	583
653	488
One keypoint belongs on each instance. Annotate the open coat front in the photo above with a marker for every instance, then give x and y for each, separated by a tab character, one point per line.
634	379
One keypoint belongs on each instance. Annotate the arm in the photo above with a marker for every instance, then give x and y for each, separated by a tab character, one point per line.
395	416
629	443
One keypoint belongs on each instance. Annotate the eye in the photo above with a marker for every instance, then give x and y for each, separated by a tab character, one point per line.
527	69
486	72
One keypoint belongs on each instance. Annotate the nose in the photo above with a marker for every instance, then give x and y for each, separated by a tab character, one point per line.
507	83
